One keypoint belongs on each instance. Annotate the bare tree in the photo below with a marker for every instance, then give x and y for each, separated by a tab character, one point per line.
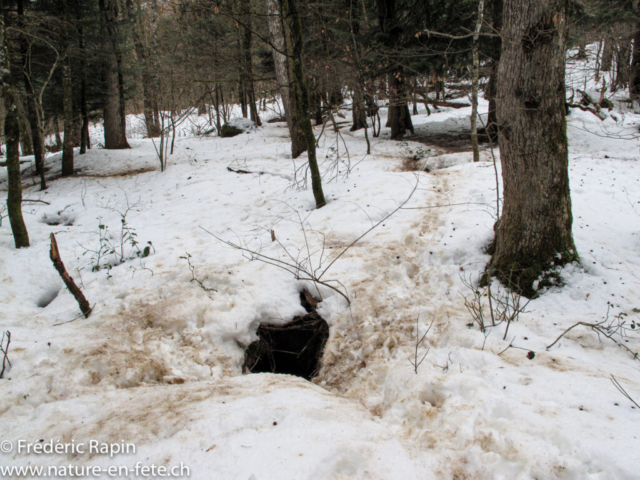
67	95
12	140
114	126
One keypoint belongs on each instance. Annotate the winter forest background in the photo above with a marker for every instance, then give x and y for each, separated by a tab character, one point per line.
341	239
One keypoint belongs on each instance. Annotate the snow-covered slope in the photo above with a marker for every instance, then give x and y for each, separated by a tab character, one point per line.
159	362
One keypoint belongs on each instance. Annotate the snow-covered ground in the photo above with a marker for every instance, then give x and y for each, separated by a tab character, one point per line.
158	364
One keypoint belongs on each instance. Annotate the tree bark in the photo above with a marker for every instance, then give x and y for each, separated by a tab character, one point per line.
56	124
474	83
607	53
534	233
634	80
399	117
281	41
12	141
492	86
276	37
26	144
85	142
302	101
67	97
114	130
248	62
148	93
359	113
622	62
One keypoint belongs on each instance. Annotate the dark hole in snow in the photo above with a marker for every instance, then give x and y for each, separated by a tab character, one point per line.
47	297
65	219
294	349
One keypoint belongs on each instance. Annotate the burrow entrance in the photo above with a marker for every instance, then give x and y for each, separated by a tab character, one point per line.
295	348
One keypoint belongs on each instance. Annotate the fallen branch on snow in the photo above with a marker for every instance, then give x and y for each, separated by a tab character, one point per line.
85	308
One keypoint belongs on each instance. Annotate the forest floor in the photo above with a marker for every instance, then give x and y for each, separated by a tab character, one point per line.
158	364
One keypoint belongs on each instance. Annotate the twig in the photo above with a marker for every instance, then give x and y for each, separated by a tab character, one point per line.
416	364
303	269
5	351
615	382
192	268
607	328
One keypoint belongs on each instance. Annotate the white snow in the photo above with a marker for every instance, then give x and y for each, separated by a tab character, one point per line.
159	362
244	124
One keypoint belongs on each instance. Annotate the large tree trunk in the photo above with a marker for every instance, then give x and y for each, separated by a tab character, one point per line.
534	233
67	99
12	140
399	117
302	101
114	130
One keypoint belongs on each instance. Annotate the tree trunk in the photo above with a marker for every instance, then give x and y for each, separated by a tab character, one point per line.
359	113
69	124
85	143
217	105
248	62
12	140
37	134
534	233
634	80
399	117
122	101
474	83
281	41
26	144
359	107
35	122
67	98
302	101
56	124
607	53
492	86
114	130
622	62
276	37
148	93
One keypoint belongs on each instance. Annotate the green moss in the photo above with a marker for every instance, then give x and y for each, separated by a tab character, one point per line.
229	131
529	276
